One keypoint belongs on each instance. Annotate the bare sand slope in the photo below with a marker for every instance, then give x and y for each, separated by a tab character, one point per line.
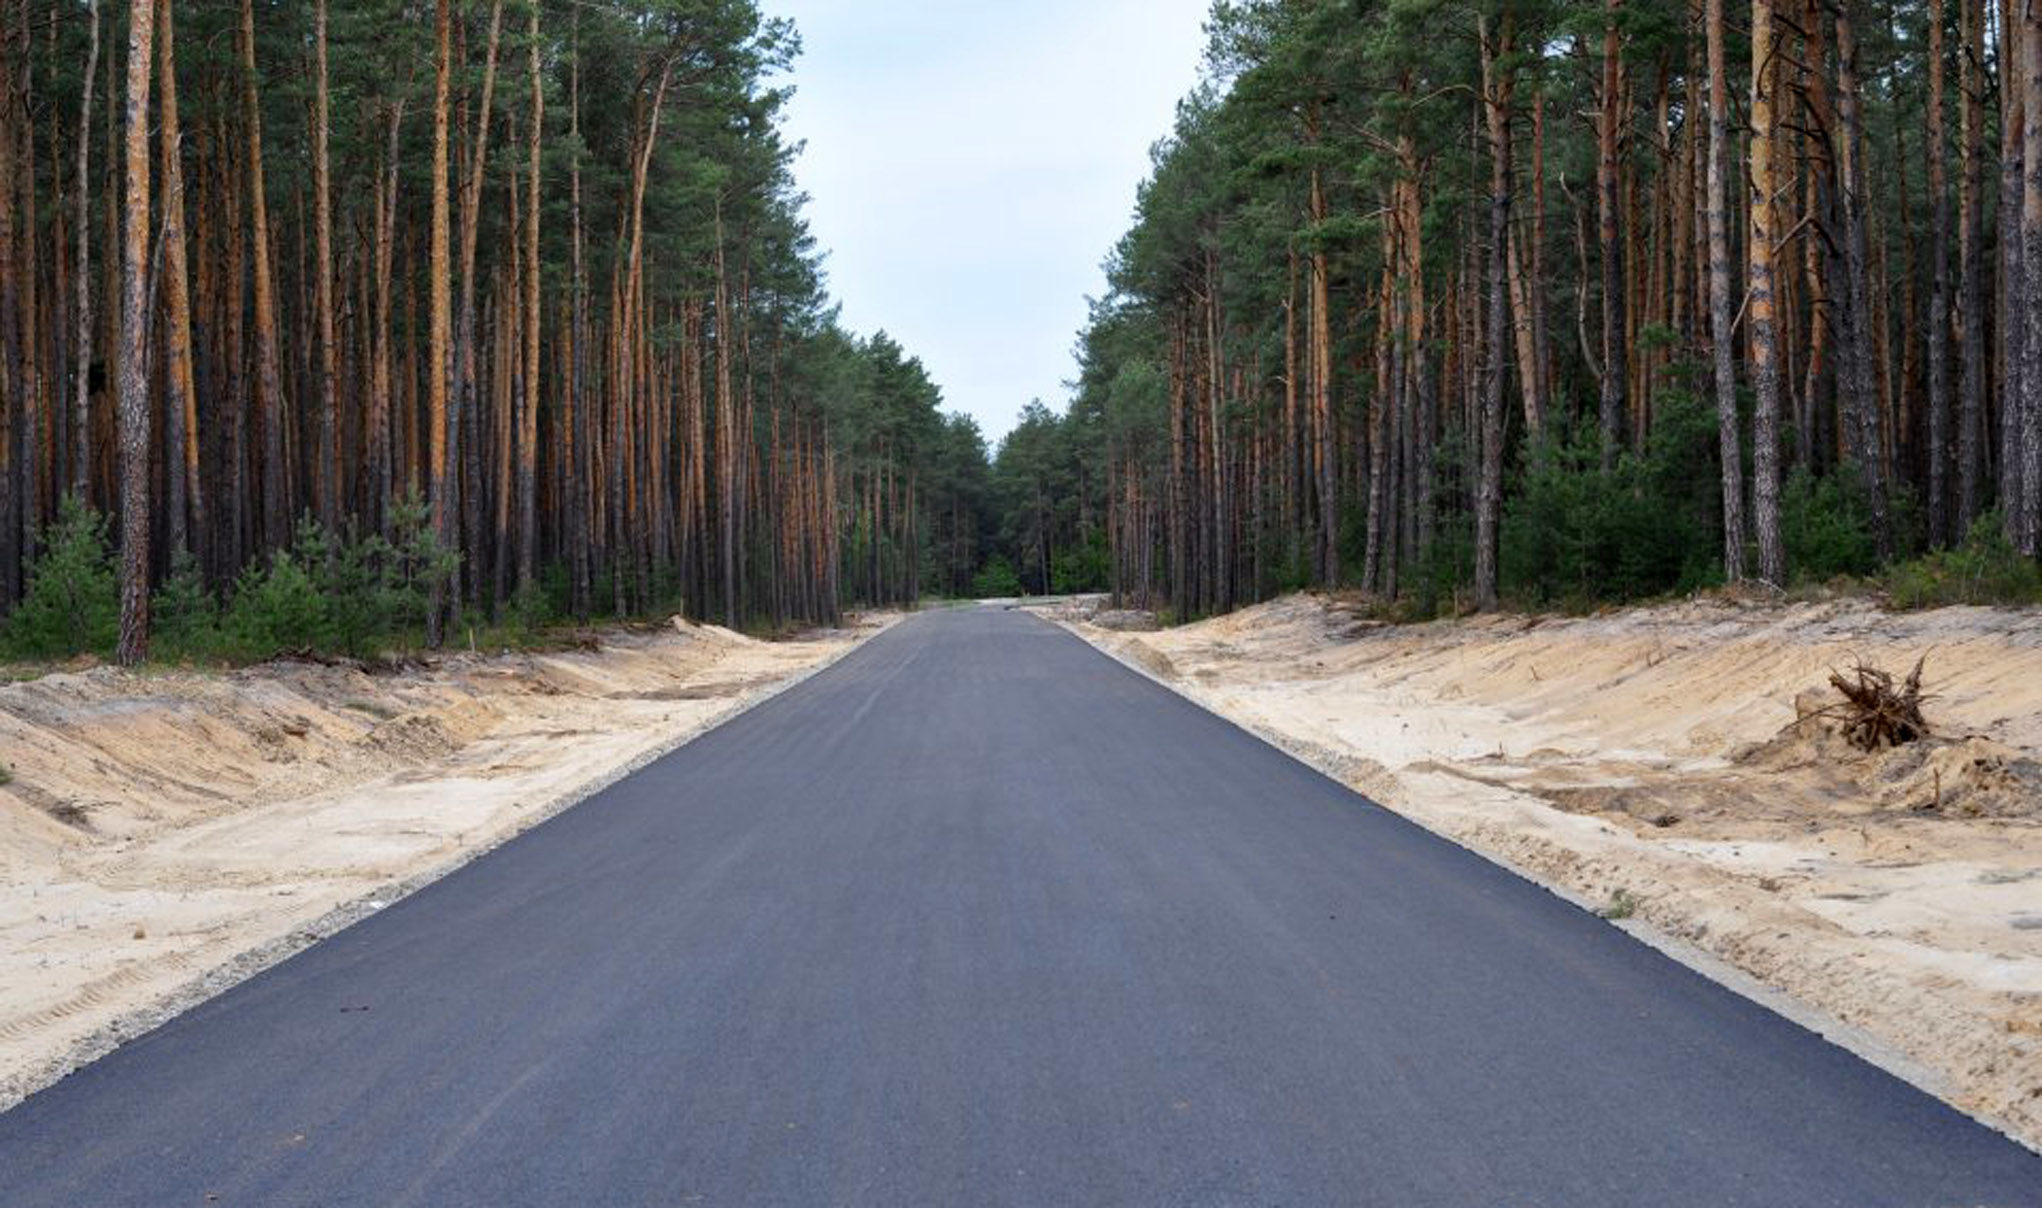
1650	761
164	835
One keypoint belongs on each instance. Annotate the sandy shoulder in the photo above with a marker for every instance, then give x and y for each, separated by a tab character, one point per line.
163	836
1652	759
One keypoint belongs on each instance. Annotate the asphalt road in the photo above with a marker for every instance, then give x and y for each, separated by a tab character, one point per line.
978	916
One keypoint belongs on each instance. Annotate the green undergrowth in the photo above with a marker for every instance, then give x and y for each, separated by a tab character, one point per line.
327	595
1985	569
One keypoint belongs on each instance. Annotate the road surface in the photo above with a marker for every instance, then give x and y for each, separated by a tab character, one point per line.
978	916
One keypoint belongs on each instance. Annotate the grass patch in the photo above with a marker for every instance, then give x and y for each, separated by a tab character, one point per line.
1622	905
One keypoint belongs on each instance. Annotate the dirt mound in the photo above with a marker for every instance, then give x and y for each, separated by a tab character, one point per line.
1139	652
1954	776
413	737
1126	620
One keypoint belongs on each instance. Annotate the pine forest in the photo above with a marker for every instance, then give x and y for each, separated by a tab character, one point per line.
423	315
1468	305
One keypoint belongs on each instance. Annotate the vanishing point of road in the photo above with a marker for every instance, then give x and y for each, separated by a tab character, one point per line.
978	916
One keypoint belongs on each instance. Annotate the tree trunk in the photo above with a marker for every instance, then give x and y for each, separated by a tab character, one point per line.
2013	329
1861	400
187	502
275	523
464	447
726	440
1524	260
134	367
439	366
528	418
1322	381
1497	85
1180	491
81	279
1720	338
1936	331
1970	267
18	437
326	476
1761	307
382	477
1292	449
2029	76
575	424
1609	132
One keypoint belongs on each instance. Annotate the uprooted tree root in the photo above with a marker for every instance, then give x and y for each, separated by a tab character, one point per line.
1873	713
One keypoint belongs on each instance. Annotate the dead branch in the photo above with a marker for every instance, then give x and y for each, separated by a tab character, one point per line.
1873	713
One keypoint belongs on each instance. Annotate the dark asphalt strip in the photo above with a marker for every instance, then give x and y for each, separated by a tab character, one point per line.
978	916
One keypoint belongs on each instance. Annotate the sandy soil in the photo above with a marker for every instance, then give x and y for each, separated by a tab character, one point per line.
1650	762
164	835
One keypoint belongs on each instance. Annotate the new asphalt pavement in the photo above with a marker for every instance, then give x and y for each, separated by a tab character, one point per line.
978	916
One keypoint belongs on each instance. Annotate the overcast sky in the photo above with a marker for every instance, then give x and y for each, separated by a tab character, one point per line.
971	163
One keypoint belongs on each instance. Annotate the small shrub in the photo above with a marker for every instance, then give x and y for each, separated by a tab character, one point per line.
1622	905
278	608
996	580
1986	569
354	578
184	615
419	562
530	611
1825	526
73	603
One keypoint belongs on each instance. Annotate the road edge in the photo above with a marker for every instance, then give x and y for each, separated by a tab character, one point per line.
138	1022
1855	1040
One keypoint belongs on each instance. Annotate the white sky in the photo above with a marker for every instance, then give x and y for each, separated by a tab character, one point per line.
971	163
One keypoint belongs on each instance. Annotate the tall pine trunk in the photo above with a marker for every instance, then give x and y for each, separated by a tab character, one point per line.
326	462
1497	84
1762	246
1720	338
1861	401
575	426
2028	74
1936	333
186	500
528	417
1322	394
81	278
18	439
439	365
134	352
464	445
2013	329
1612	402
1970	266
275	521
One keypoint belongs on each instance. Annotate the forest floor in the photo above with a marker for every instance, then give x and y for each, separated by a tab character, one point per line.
165	834
1660	763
